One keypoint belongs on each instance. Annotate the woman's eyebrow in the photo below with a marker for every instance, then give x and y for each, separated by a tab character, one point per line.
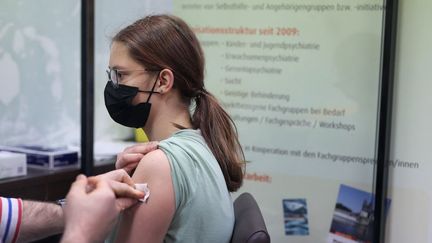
117	67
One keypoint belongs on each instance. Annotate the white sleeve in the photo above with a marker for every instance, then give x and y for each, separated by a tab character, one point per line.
10	219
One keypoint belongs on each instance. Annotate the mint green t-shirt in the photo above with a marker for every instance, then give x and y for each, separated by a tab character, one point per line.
204	209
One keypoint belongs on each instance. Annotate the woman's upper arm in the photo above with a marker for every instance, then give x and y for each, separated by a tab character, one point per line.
149	222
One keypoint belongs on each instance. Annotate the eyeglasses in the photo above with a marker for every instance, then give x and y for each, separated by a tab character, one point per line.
115	75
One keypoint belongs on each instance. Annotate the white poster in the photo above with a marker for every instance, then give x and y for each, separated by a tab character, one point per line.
300	79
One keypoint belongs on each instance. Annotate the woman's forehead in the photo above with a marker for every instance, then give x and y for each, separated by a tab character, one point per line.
119	57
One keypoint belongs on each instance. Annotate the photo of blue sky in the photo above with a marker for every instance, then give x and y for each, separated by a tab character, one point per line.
353	198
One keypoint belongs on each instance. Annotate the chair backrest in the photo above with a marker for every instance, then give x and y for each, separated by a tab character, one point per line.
249	223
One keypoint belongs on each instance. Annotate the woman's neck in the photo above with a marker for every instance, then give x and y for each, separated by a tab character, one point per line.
164	125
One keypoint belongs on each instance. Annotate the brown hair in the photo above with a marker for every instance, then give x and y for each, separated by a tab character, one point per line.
166	41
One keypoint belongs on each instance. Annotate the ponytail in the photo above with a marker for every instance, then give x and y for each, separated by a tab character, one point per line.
220	134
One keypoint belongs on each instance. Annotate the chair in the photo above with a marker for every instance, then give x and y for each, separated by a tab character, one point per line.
249	223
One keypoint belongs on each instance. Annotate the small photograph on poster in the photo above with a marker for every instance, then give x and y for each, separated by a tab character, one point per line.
295	217
353	216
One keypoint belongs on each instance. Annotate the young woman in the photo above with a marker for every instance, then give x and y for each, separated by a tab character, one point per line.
156	81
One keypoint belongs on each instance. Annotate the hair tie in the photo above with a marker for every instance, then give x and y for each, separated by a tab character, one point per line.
200	93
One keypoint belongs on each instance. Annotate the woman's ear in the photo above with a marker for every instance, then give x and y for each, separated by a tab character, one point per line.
166	81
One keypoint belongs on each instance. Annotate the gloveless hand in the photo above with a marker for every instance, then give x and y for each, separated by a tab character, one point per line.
131	156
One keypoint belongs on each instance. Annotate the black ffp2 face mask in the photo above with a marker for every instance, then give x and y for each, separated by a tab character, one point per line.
118	101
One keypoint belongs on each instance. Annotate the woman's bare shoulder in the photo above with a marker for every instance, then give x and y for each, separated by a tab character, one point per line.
152	166
156	214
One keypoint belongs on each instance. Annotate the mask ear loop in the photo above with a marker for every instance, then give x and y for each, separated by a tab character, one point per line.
154	85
